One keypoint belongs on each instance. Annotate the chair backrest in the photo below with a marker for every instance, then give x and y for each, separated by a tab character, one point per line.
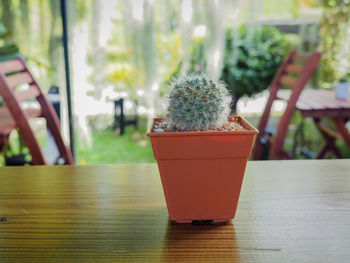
295	72
14	73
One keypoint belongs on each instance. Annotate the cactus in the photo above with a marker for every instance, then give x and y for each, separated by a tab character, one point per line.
198	103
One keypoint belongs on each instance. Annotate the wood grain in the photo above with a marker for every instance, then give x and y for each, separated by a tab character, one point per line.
277	151
11	66
18	79
8	123
12	98
295	69
298	82
275	87
30	93
300	59
289	211
288	80
318	103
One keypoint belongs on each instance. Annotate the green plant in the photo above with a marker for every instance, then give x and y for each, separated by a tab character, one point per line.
7	50
345	78
198	103
197	57
252	57
335	23
3	32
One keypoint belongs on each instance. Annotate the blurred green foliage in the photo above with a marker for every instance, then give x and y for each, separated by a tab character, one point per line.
197	59
125	69
121	71
252	57
7	49
3	31
169	55
334	25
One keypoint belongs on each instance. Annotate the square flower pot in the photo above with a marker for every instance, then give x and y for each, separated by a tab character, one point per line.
342	91
202	171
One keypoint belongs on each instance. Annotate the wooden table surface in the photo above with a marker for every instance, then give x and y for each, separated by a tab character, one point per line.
319	103
289	211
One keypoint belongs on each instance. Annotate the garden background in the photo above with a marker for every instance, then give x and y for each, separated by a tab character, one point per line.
132	49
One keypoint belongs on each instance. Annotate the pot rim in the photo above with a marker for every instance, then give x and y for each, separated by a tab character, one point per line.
250	130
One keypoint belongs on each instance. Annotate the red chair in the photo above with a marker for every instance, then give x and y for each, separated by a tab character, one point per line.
294	72
13	74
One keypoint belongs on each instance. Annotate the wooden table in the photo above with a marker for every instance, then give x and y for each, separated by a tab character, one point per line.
289	211
319	104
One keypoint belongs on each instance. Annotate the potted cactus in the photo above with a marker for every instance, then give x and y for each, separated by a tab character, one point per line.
201	151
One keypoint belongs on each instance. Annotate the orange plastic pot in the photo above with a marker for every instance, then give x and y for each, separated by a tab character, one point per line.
202	172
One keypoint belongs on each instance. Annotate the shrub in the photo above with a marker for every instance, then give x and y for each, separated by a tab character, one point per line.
252	57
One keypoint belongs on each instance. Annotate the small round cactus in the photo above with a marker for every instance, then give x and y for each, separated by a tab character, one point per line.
198	103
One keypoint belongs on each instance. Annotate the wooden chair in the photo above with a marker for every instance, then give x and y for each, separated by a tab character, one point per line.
13	74
295	72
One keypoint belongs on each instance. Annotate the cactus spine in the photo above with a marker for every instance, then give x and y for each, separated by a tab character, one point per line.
198	103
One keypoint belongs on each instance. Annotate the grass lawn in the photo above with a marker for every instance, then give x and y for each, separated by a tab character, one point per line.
135	147
109	148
